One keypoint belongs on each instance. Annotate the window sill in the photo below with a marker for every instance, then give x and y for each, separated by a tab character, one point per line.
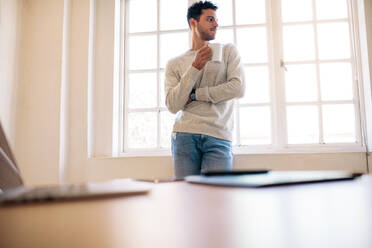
293	149
244	150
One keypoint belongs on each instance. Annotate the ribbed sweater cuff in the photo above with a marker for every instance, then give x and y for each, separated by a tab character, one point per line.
202	94
194	73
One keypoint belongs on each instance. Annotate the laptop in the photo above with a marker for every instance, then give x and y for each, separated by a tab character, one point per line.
266	178
12	189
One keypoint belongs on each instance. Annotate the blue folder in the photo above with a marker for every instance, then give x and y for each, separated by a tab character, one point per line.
270	178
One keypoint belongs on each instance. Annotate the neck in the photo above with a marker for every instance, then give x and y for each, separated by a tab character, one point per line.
197	43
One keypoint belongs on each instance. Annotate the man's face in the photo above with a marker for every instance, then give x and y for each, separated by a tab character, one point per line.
207	25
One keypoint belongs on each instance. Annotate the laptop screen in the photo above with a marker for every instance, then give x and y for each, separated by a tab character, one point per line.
9	174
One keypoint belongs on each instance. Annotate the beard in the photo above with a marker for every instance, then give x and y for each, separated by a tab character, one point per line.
204	34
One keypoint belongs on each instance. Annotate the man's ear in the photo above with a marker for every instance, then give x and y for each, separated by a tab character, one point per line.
193	22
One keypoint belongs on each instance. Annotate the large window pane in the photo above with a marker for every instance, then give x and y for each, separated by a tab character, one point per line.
142	52
298	42
224	36
334	40
297	10
331	9
339	123
167	121
141	128
173	14
336	81
252	44
255	125
172	45
300	83
142	90
302	124
250	11
257	85
224	12
142	19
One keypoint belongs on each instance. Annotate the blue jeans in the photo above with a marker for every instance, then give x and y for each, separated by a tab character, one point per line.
194	153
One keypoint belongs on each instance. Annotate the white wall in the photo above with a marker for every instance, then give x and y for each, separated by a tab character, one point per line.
368	11
368	16
365	28
366	59
37	141
10	19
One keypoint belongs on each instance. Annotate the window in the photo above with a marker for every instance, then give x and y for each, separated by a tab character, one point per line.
150	32
299	62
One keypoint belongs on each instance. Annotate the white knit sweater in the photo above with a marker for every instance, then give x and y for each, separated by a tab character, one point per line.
217	85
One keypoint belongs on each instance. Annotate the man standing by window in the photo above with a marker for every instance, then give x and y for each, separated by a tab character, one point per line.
202	94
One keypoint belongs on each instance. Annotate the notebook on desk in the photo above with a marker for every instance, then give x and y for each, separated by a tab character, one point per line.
13	190
268	178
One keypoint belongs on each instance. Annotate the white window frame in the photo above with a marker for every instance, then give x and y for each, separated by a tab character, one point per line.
277	103
124	150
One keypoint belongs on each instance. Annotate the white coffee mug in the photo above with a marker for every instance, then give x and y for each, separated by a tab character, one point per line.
216	51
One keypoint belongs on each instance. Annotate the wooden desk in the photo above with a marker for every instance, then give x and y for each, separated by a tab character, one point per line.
178	214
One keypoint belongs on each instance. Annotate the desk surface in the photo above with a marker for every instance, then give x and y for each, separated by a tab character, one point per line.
179	214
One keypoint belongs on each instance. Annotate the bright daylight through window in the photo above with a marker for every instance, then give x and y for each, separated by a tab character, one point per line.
299	65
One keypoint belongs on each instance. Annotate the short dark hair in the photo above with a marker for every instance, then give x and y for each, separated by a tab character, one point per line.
195	10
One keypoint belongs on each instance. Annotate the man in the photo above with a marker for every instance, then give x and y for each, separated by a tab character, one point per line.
203	93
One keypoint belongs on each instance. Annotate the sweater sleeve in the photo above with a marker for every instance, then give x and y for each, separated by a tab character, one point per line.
178	88
234	87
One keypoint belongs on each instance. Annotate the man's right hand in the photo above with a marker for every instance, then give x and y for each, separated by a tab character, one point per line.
202	57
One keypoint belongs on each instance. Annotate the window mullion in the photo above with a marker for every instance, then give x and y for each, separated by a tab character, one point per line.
317	69
237	105
126	76
122	73
277	75
357	86
158	75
